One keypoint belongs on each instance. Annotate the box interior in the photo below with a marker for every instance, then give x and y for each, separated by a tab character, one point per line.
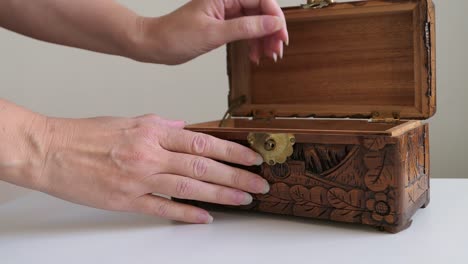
343	61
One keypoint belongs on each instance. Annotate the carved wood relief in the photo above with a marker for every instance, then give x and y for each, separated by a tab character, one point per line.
415	156
355	183
350	183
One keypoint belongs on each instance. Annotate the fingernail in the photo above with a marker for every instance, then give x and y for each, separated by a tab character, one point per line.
266	188
204	218
259	186
258	160
281	51
287	41
272	23
275	57
210	219
248	199
258	62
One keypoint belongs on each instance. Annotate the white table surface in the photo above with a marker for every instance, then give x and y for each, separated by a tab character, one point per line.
41	229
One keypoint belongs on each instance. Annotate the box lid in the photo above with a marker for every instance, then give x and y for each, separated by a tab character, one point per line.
356	59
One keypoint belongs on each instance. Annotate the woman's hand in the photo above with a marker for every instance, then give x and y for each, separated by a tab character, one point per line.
203	25
108	27
118	163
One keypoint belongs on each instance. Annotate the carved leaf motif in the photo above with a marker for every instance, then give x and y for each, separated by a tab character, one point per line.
374	160
268	198
316	195
275	207
379	179
300	193
281	191
310	210
350	216
375	144
321	158
379	175
341	199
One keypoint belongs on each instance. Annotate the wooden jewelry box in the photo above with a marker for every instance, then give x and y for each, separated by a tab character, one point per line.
338	119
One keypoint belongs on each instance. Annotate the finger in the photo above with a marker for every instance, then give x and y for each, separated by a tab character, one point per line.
190	189
234	8
238	8
249	27
207	170
255	52
283	35
165	208
273	48
255	45
184	141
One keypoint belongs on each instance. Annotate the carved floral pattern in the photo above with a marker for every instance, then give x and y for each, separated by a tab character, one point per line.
348	183
382	208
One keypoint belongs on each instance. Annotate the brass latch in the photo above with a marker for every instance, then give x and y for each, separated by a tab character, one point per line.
274	148
382	117
316	4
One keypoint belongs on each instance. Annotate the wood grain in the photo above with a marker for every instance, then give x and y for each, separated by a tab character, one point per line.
372	180
310	126
346	60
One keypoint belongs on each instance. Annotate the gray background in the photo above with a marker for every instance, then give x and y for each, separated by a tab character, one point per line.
67	82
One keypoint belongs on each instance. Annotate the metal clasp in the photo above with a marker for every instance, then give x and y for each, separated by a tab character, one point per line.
316	4
274	148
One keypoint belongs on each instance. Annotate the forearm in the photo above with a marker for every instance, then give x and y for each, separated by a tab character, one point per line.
98	25
22	145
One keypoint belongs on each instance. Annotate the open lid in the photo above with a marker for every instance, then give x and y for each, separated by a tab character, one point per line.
355	59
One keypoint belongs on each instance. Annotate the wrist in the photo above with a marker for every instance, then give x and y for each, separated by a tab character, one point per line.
146	42
24	145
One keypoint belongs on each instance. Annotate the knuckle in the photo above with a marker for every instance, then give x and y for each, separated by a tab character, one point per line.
162	208
199	167
247	27
229	150
200	144
184	188
220	195
150	118
236	177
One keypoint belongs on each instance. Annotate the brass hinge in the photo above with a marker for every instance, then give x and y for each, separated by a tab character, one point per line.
233	105
317	4
383	117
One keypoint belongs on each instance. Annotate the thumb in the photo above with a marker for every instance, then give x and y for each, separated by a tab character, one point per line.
250	27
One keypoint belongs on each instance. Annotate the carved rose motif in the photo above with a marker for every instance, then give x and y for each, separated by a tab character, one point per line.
381	208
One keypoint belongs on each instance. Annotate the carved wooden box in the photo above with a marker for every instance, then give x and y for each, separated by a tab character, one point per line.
348	100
